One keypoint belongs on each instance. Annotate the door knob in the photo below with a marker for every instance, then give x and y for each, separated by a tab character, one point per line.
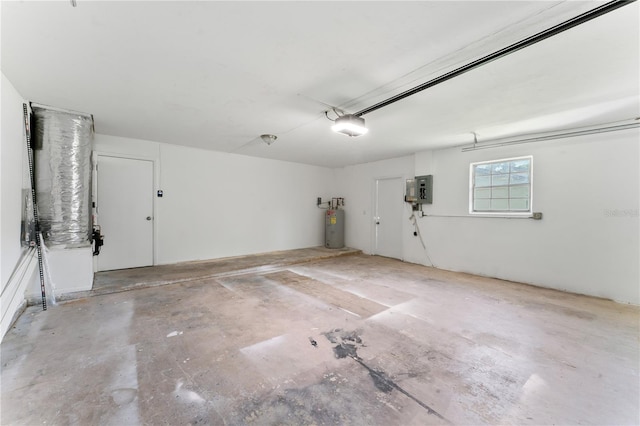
148	217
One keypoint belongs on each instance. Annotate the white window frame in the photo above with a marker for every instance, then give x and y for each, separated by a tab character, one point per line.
501	212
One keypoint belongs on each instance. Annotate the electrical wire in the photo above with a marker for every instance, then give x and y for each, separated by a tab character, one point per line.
419	235
326	114
337	111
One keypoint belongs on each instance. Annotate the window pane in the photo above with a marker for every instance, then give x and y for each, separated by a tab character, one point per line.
502	187
500	168
520	166
517	178
483	181
500	192
499	204
521	191
482	169
481	205
482	193
520	204
497	180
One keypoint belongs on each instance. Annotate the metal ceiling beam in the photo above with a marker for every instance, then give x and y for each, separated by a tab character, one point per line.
543	35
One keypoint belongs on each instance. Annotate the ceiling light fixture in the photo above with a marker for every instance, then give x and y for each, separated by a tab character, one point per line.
353	124
350	125
268	139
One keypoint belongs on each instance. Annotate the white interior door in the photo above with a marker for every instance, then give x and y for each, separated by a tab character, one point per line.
125	212
388	217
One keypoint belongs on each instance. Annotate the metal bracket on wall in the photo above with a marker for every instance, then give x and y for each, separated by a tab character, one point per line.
36	221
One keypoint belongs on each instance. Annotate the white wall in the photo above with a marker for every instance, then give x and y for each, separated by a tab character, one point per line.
219	205
11	153
587	188
357	185
12	165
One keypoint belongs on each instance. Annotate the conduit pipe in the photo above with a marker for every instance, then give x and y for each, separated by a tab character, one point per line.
496	143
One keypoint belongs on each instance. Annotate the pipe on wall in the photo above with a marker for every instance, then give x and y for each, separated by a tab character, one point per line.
560	134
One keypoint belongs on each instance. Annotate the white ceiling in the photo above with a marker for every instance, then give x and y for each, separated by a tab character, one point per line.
216	75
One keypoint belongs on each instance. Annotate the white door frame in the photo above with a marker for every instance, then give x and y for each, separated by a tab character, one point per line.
156	180
374	210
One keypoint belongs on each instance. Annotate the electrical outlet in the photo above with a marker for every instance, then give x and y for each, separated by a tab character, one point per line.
537	216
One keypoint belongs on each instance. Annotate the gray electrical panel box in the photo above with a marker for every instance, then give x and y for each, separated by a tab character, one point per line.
424	189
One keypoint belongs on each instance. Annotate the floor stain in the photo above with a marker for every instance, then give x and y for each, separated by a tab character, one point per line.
453	349
381	380
344	350
347	342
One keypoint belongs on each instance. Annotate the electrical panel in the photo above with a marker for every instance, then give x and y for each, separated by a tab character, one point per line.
424	189
419	190
410	192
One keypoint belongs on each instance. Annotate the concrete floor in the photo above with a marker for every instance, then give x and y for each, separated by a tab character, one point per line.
353	339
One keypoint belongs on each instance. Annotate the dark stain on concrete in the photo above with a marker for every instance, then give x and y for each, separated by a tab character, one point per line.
347	342
309	406
339	335
385	384
381	380
344	350
351	336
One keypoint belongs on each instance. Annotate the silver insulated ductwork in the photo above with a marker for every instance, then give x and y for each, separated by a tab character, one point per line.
62	145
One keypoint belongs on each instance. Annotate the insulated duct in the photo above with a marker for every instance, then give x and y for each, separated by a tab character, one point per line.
62	141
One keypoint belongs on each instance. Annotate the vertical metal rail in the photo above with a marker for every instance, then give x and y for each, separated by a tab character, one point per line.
27	129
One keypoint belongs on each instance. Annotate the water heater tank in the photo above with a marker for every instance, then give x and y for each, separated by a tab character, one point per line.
334	229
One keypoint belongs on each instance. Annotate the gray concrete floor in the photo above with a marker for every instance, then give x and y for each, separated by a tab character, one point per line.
353	339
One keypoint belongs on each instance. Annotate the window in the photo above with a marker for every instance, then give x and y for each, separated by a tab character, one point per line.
501	186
